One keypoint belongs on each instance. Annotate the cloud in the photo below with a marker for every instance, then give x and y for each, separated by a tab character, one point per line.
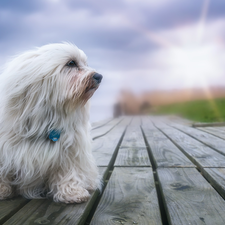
22	6
128	41
188	62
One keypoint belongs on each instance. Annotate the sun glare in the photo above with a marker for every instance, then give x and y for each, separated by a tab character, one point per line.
195	64
186	55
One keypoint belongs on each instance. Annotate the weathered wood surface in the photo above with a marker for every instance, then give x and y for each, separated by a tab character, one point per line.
105	148
129	198
189	198
133	137
164	152
133	151
101	131
216	124
99	124
214	131
206	138
124	147
221	129
132	157
216	177
10	206
48	212
200	154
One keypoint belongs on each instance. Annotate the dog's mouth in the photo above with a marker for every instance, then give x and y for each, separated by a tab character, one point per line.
94	83
90	84
93	88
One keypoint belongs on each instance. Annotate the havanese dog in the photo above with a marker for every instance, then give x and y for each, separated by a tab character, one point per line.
45	142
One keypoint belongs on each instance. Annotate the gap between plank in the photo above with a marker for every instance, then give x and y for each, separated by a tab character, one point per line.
108	130
211	184
164	217
198	140
102	124
208	132
111	168
198	167
4	219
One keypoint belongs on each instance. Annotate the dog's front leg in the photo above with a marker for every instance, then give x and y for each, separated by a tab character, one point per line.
68	187
5	190
71	193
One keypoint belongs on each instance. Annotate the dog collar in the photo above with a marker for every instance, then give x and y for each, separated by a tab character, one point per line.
54	135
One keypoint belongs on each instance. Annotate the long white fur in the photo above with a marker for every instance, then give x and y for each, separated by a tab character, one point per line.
39	93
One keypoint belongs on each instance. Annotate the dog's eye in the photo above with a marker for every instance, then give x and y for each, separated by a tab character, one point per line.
71	64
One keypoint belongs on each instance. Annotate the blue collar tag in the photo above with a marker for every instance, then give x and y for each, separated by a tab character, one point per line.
54	135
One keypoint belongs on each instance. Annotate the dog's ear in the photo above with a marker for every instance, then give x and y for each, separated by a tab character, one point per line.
21	101
27	110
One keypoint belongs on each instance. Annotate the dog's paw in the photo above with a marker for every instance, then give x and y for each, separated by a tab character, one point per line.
5	191
72	195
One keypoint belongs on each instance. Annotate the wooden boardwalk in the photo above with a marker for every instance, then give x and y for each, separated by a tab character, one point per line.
156	170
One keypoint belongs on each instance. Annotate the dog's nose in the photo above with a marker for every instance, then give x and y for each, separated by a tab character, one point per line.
97	77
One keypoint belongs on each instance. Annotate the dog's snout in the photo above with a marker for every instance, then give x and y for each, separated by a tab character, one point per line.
98	77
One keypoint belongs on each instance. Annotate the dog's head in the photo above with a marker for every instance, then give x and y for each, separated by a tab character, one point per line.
80	81
56	75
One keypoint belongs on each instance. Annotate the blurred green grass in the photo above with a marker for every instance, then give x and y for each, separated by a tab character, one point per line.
212	110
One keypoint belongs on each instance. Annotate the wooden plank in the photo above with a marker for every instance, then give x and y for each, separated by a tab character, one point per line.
10	206
172	119
214	131
208	139
216	176
152	131
49	212
132	157
129	198
166	154
104	148
189	198
200	154
136	121
133	151
96	133
163	151
101	123
146	121
216	124
133	137
221	129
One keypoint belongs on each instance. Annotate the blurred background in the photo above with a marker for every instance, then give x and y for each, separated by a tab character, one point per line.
164	56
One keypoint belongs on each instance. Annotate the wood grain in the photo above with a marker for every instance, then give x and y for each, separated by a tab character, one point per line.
198	153
216	177
133	151
11	206
99	124
49	212
166	154
163	151
132	157
206	138
214	131
129	198
133	137
104	148
102	130
189	198
146	121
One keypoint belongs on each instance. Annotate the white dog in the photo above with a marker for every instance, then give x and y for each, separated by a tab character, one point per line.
45	145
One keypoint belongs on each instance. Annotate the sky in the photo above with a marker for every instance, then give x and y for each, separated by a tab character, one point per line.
140	45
